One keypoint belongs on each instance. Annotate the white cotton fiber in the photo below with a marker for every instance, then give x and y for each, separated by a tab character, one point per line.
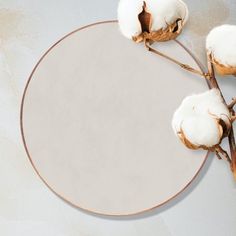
221	42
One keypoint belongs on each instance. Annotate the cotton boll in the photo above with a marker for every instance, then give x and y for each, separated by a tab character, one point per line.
202	120
221	45
164	19
202	130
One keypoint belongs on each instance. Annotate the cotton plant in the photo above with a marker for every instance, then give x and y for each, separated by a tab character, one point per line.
202	120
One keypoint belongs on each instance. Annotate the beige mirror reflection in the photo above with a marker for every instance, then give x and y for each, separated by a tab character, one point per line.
96	122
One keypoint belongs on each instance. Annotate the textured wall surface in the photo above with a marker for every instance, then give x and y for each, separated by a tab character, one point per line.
27	207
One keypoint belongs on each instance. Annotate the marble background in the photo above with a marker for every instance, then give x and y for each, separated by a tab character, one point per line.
27	207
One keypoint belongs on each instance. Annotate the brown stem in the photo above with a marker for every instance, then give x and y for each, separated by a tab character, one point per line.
184	66
232	145
232	151
231	138
233	118
219	150
212	78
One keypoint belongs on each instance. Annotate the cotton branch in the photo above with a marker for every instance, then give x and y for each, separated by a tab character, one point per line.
231	137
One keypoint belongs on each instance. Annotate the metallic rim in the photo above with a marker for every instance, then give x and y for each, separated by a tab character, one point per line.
37	171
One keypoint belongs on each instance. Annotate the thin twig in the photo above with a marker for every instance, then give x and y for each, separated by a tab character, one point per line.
200	65
184	66
218	155
220	150
212	78
232	104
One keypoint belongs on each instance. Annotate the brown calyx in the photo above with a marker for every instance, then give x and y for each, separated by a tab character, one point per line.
189	145
223	132
185	141
225	128
217	149
168	33
192	146
222	69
